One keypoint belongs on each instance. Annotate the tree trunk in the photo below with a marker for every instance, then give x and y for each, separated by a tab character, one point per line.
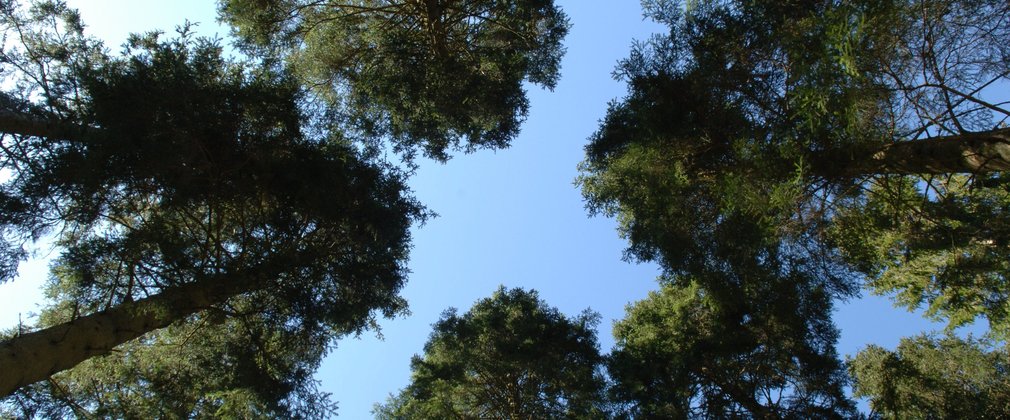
25	125
35	356
965	153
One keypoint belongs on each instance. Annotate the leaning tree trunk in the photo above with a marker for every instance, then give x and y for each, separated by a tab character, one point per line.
964	153
27	125
32	357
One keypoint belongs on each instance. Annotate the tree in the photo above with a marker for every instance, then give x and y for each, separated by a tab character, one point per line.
178	181
833	127
929	377
830	142
510	356
185	190
408	69
684	353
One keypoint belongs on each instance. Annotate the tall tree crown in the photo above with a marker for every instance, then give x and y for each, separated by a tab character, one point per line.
935	377
510	356
433	75
684	352
185	188
823	145
796	121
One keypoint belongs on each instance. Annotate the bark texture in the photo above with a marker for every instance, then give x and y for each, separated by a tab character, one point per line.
965	153
35	356
26	125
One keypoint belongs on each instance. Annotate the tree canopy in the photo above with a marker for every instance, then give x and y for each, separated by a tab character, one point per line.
510	356
234	364
788	117
685	353
828	145
219	222
184	180
408	69
929	377
212	197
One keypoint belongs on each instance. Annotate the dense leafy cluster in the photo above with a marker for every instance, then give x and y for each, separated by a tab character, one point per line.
188	166
683	353
929	377
510	356
810	144
409	69
170	166
946	254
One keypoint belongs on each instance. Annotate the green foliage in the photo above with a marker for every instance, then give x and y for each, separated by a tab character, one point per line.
170	165
752	135
928	377
428	74
946	253
202	168
684	352
700	153
510	356
746	160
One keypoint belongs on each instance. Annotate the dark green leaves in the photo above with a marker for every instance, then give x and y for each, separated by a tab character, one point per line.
179	167
433	75
792	134
510	356
770	155
928	377
764	350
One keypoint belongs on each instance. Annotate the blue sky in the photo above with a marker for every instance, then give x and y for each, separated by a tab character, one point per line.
511	217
